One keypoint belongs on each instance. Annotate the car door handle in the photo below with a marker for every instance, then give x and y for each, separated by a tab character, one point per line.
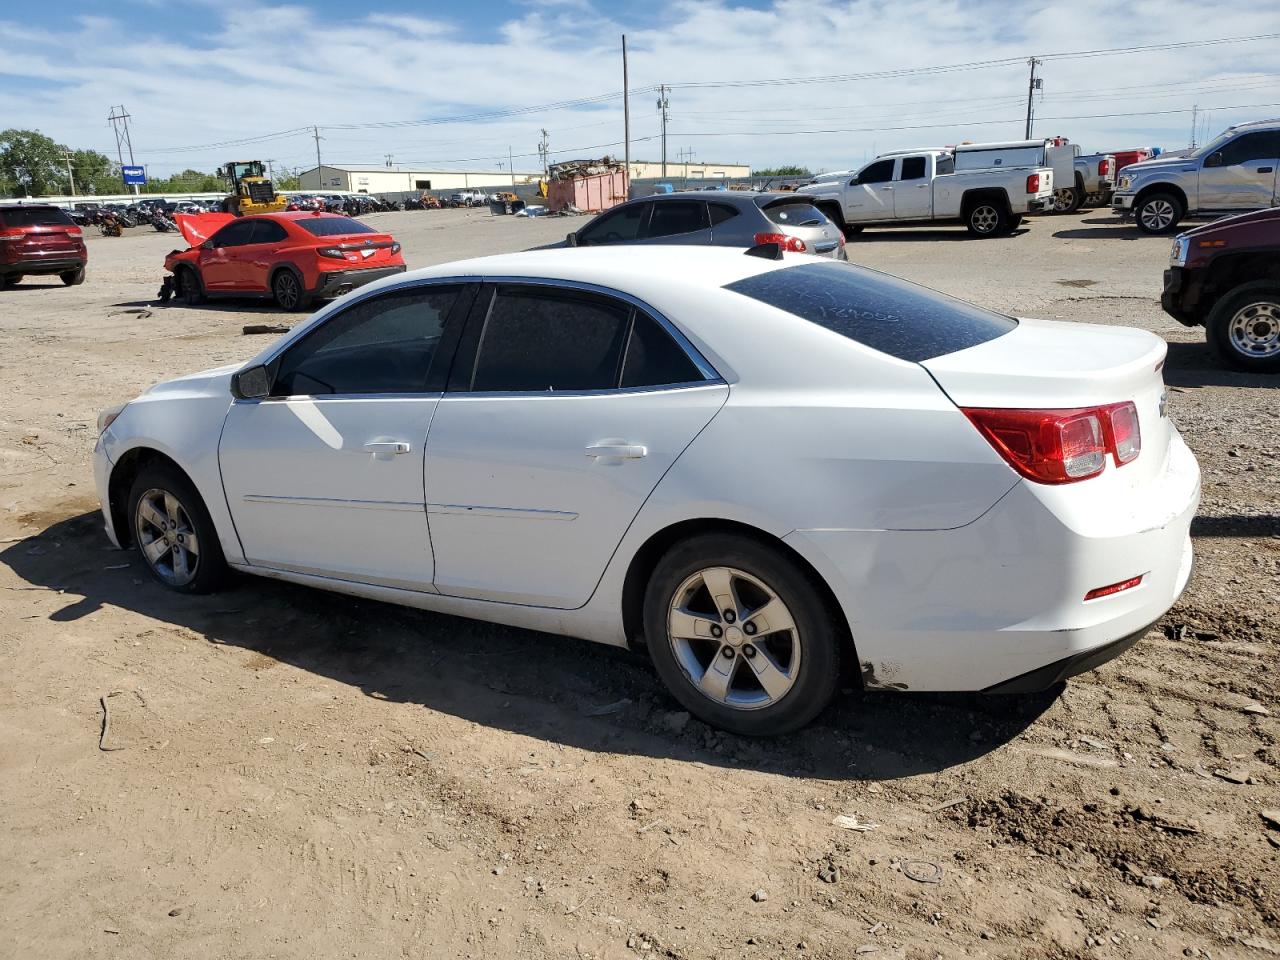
1265	169
386	447
617	451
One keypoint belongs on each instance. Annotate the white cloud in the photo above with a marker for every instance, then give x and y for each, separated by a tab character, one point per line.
268	67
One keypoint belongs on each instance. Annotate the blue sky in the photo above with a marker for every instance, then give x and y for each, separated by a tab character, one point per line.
199	78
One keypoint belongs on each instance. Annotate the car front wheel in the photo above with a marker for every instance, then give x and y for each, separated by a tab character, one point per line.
1158	213
174	532
740	636
1244	327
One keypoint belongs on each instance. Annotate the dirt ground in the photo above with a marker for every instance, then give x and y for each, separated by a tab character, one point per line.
290	773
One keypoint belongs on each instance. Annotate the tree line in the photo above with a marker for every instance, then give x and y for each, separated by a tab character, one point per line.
33	165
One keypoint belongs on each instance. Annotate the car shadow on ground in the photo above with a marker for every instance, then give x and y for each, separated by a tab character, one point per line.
552	688
28	283
916	235
1115	231
1193	365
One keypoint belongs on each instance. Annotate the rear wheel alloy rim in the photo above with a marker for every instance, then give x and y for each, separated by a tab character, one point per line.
734	638
1157	215
167	538
287	290
1062	200
984	219
1255	330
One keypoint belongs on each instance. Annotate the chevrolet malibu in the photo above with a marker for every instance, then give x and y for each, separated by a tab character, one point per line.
761	468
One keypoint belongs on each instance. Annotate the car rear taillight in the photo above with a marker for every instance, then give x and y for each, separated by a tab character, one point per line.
1033	183
1061	446
13	233
1104	167
792	244
1111	588
73	231
331	252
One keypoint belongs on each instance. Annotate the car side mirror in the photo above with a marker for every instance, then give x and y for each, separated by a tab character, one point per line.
251	384
571	239
207	245
1213	159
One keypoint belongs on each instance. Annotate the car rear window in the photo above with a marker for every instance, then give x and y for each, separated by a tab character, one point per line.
332	226
795	215
34	217
893	316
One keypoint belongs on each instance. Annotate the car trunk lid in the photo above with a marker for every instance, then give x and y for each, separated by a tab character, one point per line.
360	250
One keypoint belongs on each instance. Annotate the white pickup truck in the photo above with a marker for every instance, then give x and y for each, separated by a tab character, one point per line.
988	187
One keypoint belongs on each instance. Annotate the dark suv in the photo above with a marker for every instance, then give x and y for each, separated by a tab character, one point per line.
40	239
1225	276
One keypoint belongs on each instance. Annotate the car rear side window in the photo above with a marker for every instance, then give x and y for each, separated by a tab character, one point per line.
893	316
795	215
912	168
673	217
720	212
332	226
653	357
34	217
543	340
381	345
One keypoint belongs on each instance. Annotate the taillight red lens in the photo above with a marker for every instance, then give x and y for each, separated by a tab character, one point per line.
1104	167
1111	588
1124	434
1048	446
793	244
331	252
1033	183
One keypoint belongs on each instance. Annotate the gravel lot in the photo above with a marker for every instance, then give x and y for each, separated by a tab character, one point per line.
296	774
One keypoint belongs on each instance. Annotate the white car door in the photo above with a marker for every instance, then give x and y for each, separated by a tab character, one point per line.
1242	174
869	195
913	198
564	410
324	476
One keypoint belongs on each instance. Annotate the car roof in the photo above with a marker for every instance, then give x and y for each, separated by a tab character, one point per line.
293	215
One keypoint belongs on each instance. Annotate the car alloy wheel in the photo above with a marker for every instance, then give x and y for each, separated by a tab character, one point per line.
734	638
287	291
985	219
1254	330
1157	215
1063	201
167	537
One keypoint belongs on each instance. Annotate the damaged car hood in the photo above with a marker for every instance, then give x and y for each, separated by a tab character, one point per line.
196	228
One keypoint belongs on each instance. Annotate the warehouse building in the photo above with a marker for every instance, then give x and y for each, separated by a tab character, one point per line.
377	179
648	170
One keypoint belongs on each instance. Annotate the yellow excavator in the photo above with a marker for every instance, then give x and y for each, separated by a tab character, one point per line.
251	191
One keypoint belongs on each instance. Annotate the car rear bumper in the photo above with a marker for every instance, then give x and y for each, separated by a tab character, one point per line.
337	282
1037	206
999	603
36	265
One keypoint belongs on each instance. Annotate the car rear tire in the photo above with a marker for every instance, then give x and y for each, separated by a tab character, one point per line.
763	659
173	531
190	288
72	278
986	218
10	279
1243	329
1158	213
1067	200
287	291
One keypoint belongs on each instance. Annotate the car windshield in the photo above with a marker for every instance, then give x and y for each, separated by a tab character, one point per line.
1213	145
893	316
33	217
333	226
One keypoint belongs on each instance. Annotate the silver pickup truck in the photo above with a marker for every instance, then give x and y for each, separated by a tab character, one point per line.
1233	173
1093	184
987	187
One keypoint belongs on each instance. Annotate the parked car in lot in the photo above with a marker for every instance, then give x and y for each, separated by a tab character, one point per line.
716	218
292	258
756	468
1225	276
1091	186
987	187
40	239
1233	173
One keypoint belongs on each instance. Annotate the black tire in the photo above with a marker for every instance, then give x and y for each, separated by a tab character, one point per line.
1067	200
851	230
72	278
189	287
288	292
816	640
1014	223
1243	329
986	218
10	279
1158	213
210	567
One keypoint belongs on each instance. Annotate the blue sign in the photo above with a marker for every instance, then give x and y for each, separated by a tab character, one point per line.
133	175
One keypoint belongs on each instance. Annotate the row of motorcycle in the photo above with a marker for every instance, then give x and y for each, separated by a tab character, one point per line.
112	221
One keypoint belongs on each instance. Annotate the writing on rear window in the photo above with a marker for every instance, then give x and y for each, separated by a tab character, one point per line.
893	316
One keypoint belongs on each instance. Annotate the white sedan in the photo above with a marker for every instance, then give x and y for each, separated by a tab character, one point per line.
762	470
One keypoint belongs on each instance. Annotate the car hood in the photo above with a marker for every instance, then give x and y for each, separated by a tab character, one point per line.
206	383
1160	165
196	228
1228	223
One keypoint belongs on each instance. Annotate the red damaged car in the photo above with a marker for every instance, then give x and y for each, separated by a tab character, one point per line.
293	258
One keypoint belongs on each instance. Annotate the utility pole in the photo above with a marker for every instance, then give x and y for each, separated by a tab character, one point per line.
315	132
1195	110
70	179
543	144
626	119
662	105
120	126
270	171
511	168
1035	84
389	163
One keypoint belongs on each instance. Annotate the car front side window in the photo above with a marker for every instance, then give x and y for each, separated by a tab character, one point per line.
383	345
879	172
233	234
616	226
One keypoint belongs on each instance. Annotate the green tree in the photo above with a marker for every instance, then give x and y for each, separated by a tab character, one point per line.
95	173
288	181
789	170
31	163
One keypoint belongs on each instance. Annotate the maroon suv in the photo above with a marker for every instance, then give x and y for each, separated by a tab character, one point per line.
40	239
1225	276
